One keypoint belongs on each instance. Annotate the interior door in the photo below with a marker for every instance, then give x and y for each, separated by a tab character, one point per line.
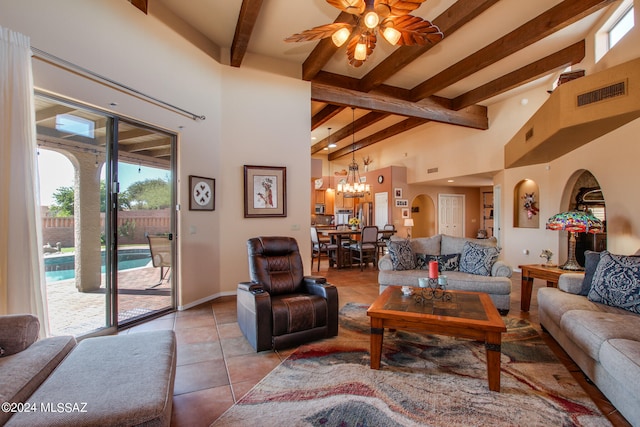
381	207
451	214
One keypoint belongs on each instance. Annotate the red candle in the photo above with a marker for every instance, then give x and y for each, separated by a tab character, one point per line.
433	269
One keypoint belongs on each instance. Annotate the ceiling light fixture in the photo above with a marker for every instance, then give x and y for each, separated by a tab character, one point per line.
352	187
390	18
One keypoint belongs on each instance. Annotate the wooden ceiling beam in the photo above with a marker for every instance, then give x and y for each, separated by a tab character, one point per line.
324	115
549	22
249	12
361	123
143	5
426	110
459	14
324	50
563	58
392	130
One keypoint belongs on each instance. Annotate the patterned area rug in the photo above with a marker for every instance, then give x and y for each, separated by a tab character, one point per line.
425	380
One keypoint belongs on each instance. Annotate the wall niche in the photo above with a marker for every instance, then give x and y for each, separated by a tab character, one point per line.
526	209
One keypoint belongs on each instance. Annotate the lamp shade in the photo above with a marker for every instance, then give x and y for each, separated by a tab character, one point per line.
576	221
408	222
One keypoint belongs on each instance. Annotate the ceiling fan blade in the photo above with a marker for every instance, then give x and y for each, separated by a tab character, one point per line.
369	38
414	30
355	7
317	33
386	8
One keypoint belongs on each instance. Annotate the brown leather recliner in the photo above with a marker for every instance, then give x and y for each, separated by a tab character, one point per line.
281	307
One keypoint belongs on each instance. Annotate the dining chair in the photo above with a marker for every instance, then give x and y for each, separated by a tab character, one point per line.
365	249
321	248
385	237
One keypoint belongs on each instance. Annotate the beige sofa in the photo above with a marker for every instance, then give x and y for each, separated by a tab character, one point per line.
497	284
603	340
112	380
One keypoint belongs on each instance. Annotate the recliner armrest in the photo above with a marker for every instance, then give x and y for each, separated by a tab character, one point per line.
255	288
315	279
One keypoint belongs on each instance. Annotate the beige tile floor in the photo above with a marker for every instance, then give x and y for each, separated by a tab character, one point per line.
216	366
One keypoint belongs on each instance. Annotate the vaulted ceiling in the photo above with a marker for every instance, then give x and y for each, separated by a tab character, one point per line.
491	49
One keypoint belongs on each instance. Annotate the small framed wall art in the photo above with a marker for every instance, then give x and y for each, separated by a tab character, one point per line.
265	191
202	193
402	203
405	213
397	193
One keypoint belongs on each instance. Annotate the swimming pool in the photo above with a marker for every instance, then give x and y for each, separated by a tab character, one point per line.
62	267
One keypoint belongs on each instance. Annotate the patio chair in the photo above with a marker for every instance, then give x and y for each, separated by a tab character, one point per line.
160	248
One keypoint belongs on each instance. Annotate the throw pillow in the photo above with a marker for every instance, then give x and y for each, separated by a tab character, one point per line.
449	262
616	282
591	260
478	259
401	254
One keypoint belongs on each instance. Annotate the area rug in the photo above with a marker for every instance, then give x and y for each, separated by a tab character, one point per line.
425	380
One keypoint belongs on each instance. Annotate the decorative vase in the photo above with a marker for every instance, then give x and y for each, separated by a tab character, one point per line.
354	228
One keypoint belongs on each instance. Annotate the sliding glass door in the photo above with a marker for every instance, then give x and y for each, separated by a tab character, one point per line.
106	186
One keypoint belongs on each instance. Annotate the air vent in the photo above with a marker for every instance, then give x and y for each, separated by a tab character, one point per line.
616	89
432	170
528	135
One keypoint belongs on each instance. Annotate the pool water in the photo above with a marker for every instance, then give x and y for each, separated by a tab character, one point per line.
62	267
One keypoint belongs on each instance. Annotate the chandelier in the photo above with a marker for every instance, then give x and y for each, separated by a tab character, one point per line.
390	18
352	187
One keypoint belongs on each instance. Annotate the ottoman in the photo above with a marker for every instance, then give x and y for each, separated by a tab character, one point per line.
119	380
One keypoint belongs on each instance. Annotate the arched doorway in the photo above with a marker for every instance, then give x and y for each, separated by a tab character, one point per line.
423	212
582	192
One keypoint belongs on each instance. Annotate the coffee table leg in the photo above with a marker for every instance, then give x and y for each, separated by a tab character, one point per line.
377	333
492	345
526	289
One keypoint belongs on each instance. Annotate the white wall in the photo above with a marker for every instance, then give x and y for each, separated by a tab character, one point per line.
252	117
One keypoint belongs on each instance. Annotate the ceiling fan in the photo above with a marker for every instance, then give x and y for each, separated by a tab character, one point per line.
390	18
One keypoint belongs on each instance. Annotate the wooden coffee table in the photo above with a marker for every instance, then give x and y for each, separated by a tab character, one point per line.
468	315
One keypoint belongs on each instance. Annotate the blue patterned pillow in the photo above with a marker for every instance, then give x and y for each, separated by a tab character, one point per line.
478	259
449	262
616	282
402	257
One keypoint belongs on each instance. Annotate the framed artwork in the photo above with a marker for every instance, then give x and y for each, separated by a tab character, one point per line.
265	191
405	213
397	193
202	193
402	203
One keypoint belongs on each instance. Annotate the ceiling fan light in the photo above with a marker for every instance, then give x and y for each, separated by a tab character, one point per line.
391	35
340	36
360	52
371	19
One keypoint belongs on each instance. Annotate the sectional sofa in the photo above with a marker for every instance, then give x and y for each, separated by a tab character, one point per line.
469	264
594	317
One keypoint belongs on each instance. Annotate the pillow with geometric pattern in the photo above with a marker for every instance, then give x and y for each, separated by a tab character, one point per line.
616	282
450	262
401	254
477	259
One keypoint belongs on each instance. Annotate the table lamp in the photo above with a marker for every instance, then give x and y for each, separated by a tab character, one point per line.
408	222
574	222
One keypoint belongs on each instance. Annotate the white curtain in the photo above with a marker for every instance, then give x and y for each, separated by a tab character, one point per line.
22	285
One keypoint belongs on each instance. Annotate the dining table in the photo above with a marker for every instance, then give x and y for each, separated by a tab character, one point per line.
338	236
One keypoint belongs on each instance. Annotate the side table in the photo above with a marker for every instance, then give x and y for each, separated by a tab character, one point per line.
538	271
